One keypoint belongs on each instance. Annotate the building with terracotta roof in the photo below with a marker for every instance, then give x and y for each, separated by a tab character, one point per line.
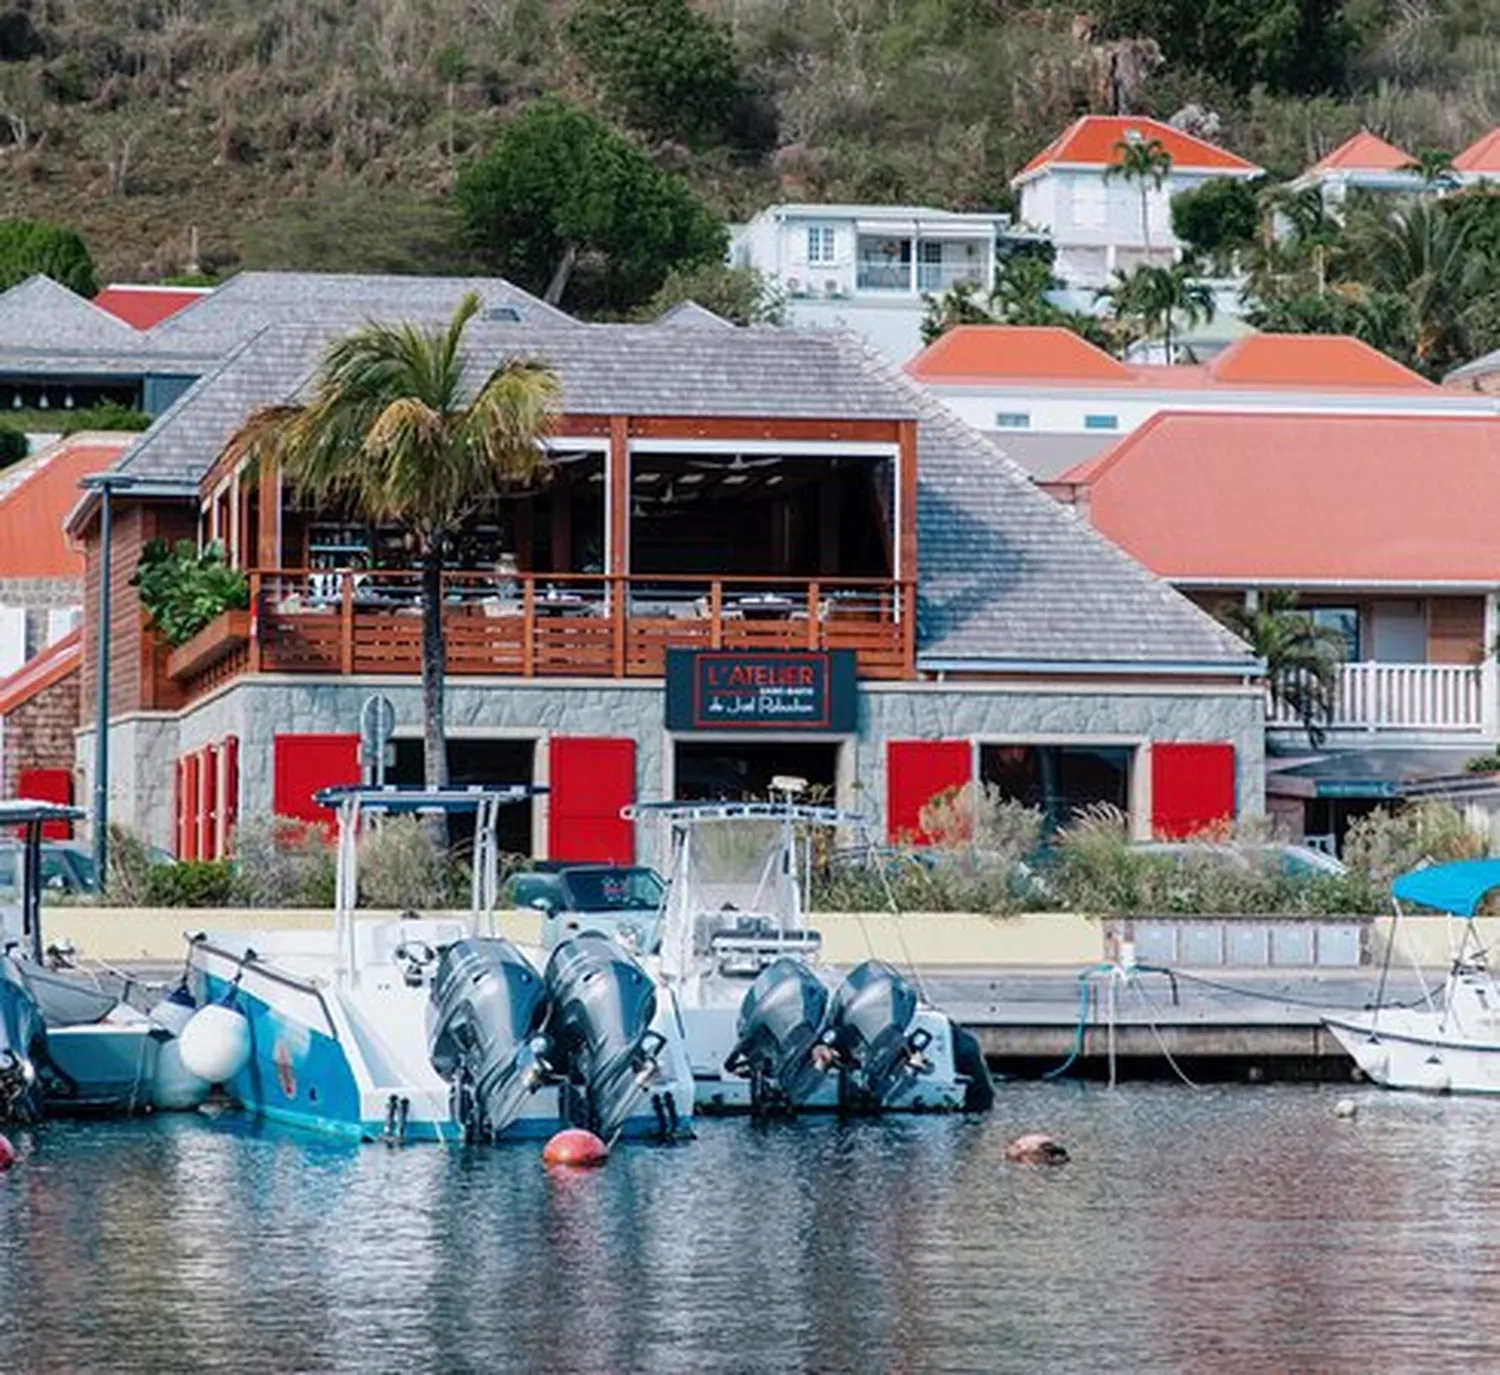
1051	399
1362	162
1383	526
39	711
1095	220
1480	161
142	307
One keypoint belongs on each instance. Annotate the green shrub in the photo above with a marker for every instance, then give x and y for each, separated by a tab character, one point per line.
13	445
190	883
183	589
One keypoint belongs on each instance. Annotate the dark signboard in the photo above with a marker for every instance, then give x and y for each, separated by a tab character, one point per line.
711	689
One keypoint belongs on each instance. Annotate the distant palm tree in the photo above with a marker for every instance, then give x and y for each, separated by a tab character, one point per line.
1159	297
1302	658
1146	162
393	434
1435	167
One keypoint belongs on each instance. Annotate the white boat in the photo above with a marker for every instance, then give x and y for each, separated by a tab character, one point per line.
94	1051
767	1030
1451	1043
421	1028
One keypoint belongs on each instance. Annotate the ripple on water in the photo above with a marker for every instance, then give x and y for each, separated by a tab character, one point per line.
1238	1229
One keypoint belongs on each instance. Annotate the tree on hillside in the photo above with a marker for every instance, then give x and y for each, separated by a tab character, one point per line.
571	209
1217	220
31	246
1144	162
390	434
1302	658
740	295
667	68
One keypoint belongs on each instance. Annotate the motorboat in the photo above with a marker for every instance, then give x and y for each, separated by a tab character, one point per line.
1451	1042
768	1030
96	1051
432	1028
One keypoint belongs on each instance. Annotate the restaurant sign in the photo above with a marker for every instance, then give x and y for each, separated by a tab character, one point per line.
723	690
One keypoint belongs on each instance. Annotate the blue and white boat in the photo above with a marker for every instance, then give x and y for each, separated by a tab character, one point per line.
434	1028
1450	1044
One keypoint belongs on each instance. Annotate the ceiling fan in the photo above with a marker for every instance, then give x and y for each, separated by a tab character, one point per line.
738	464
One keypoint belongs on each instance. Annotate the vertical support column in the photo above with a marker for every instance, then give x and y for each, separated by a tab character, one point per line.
1489	678
617	525
268	537
906	541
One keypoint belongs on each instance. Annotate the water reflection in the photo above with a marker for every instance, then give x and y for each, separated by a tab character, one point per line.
1239	1229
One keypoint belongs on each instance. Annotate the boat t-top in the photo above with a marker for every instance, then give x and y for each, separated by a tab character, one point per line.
1451	1043
434	1027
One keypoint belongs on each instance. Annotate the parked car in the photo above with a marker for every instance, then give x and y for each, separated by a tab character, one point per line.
621	900
67	867
1296	861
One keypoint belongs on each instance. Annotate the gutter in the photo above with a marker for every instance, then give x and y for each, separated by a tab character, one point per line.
81	514
1250	668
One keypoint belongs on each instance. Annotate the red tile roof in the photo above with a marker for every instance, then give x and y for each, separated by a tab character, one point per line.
991	352
1365	152
1331	362
32	509
144	306
1483	155
53	664
1094	140
1303	498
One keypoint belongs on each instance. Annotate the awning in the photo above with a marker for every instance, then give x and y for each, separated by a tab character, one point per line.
1456	888
1376	773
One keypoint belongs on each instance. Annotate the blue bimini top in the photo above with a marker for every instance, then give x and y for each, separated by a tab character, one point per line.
1457	888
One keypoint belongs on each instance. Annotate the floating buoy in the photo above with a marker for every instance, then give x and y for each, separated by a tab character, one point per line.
7	1154
215	1043
1345	1107
576	1147
1037	1148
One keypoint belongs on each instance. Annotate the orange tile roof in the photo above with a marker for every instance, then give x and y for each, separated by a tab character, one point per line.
140	307
1034	351
53	664
1312	361
32	510
1365	152
1483	155
1303	498
1093	141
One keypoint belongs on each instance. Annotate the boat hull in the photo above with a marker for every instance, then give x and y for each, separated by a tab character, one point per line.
1412	1051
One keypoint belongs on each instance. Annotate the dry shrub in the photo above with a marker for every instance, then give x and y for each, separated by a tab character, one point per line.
402	866
279	862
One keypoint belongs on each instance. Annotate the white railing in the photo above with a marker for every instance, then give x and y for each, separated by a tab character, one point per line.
1373	696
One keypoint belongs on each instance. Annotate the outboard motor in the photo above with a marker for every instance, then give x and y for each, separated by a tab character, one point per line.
22	1044
780	1018
867	1029
484	1032
602	1007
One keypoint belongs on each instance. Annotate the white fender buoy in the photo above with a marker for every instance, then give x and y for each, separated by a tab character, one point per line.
173	1012
215	1044
1346	1108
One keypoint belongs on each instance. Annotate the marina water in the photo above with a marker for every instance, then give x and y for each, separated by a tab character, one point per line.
1231	1229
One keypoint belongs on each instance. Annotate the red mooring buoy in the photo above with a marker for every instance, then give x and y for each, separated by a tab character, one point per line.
576	1147
1037	1148
7	1154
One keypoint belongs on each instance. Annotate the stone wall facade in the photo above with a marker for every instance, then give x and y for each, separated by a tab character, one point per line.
144	748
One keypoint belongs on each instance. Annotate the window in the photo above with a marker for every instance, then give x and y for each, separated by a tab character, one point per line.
819	244
1101	422
1060	780
1344	620
1013	420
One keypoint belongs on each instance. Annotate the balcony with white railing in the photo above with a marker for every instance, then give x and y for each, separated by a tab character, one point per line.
1412	699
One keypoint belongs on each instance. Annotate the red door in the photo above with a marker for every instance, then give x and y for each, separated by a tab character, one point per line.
916	771
48	785
304	764
1192	787
592	777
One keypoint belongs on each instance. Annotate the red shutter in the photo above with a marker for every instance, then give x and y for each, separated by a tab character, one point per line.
208	803
591	779
1192	787
916	771
229	802
49	785
179	810
189	847
306	763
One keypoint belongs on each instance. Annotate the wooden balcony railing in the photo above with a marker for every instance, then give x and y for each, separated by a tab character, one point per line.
566	625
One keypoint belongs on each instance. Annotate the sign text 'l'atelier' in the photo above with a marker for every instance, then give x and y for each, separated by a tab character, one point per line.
723	690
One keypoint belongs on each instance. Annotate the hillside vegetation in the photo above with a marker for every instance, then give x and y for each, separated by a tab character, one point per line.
210	134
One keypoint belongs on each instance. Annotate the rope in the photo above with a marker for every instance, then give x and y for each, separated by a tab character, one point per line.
1155	1031
1289	999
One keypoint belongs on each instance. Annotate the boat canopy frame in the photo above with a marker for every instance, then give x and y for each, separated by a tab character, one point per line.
30	817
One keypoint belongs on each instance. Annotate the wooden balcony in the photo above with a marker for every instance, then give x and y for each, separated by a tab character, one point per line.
565	625
1441	699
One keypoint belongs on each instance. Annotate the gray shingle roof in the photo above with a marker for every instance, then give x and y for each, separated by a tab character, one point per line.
44	315
246	303
690	315
1006	574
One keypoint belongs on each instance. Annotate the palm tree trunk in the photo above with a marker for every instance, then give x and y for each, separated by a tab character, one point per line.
1145	222
434	742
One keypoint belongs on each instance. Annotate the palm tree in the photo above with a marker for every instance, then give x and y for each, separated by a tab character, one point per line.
1435	167
1146	162
392	434
1160	296
1302	658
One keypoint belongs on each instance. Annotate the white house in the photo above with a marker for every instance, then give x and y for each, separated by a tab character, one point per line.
1095	220
866	267
1365	162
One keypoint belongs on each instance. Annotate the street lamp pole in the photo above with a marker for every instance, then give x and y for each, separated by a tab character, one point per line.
105	484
